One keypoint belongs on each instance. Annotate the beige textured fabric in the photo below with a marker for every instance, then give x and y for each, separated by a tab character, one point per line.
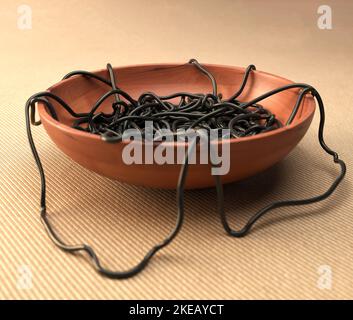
281	258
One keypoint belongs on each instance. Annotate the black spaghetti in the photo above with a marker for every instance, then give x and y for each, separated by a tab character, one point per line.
182	110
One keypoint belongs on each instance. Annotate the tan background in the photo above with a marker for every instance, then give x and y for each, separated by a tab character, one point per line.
279	259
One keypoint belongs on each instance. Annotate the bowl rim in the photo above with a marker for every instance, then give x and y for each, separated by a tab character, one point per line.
44	115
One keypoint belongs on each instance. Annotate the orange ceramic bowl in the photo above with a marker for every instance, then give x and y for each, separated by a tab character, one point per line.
248	156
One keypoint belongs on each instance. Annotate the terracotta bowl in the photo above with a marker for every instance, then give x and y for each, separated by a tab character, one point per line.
248	156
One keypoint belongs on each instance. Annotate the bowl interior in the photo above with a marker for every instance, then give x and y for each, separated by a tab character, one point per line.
163	79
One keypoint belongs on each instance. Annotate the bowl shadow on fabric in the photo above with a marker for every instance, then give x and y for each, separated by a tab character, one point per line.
308	211
279	183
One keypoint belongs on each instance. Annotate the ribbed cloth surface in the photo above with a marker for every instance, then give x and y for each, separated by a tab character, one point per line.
280	258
